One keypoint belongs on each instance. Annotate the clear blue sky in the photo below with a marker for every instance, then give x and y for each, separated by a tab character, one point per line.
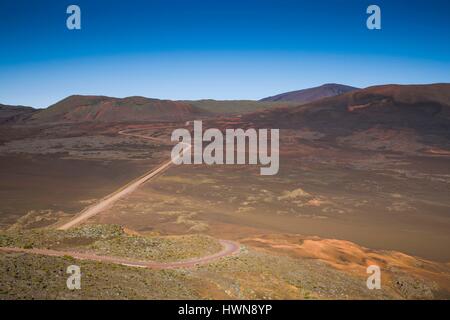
221	49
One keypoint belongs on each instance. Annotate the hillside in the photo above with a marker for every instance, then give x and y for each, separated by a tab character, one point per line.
389	113
12	113
311	94
415	106
107	109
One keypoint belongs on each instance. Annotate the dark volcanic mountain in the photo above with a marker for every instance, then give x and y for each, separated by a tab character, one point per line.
14	113
79	108
312	94
393	113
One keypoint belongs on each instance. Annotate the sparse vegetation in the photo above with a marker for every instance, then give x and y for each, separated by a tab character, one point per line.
111	240
27	276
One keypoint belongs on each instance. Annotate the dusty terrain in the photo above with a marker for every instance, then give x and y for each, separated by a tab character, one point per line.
376	200
364	179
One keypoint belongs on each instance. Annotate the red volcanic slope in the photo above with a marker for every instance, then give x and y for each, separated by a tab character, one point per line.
383	102
425	109
106	109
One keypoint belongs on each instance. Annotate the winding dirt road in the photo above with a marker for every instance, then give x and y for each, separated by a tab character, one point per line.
228	248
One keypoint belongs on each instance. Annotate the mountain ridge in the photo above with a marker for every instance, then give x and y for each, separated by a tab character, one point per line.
80	108
98	108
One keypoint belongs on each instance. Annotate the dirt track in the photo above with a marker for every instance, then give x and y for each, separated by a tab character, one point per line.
125	190
228	248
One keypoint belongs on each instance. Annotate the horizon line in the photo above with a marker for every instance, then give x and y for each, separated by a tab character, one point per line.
216	99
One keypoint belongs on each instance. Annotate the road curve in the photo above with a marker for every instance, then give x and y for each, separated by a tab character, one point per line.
228	248
110	199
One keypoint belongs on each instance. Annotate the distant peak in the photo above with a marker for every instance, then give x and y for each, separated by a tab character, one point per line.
311	94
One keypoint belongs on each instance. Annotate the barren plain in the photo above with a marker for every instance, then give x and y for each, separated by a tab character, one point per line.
344	198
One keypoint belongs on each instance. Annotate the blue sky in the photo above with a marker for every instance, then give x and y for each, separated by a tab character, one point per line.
192	49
